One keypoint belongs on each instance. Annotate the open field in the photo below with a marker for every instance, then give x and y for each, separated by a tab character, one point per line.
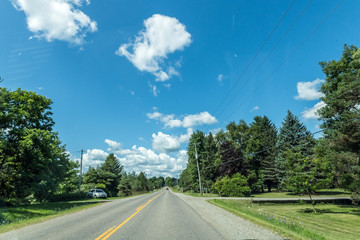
298	221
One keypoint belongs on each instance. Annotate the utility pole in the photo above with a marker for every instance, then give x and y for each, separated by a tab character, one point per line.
82	151
197	163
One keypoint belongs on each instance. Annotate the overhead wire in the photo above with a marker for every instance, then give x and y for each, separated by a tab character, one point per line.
286	59
268	55
255	56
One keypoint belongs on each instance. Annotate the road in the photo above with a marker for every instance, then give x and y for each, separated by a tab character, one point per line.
159	215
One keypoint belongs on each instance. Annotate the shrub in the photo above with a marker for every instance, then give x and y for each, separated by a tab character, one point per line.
237	186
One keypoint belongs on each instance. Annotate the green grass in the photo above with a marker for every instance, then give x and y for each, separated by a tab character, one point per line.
20	216
299	221
321	193
199	195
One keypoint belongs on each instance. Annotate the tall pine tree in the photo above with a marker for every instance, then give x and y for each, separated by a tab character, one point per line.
293	136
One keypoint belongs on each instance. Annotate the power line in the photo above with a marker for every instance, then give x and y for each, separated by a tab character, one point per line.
286	59
267	56
266	149
319	106
254	57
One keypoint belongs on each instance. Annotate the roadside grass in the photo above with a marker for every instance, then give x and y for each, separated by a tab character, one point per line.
199	195
16	217
20	216
298	221
337	192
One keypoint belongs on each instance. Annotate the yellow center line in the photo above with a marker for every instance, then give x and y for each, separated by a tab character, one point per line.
104	233
112	230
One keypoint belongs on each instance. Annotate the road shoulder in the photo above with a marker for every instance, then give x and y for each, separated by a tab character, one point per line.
228	224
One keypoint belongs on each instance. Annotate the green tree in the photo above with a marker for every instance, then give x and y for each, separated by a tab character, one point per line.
260	151
295	137
340	118
124	186
303	175
210	171
110	174
32	158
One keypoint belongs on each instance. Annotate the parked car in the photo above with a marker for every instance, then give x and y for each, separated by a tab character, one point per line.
96	193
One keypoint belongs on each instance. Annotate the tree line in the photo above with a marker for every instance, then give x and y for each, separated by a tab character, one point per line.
35	166
252	157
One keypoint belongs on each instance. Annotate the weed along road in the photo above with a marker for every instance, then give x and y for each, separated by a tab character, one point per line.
159	215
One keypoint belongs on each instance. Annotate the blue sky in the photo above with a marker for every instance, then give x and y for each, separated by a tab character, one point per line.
137	77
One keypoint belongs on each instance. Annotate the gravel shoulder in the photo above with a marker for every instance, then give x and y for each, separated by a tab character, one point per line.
229	225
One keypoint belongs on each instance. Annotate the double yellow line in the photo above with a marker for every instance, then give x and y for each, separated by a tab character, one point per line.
111	231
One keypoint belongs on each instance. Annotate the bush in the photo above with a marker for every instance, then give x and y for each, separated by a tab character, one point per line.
61	197
237	186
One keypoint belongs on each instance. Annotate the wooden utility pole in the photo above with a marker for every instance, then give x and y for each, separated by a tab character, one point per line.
80	177
197	163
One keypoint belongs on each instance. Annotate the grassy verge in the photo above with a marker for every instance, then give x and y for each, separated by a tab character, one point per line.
321	193
20	216
299	221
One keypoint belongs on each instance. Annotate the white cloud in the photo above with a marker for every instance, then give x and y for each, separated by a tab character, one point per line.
312	113
112	144
187	122
165	143
140	159
254	109
94	157
308	90
56	19
162	35
199	119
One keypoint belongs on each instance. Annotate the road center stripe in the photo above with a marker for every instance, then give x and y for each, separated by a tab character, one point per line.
111	231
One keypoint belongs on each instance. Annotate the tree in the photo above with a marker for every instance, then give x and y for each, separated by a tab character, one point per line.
295	137
340	117
32	158
260	149
303	176
110	173
232	160
124	186
210	170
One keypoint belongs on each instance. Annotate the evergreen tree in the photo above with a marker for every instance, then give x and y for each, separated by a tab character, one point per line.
210	170
293	137
340	147
232	160
110	174
260	151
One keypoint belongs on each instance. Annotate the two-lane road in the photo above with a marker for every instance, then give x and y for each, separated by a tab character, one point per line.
159	215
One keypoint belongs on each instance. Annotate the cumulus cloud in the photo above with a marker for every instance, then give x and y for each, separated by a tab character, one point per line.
112	144
140	159
94	157
165	143
56	19
162	36
187	121
312	113
308	90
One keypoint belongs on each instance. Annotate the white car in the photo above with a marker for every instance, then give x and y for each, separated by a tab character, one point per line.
96	193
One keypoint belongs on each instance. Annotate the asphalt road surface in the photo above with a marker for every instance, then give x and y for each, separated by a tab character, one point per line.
159	215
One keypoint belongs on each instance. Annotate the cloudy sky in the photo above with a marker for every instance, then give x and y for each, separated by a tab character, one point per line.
136	78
